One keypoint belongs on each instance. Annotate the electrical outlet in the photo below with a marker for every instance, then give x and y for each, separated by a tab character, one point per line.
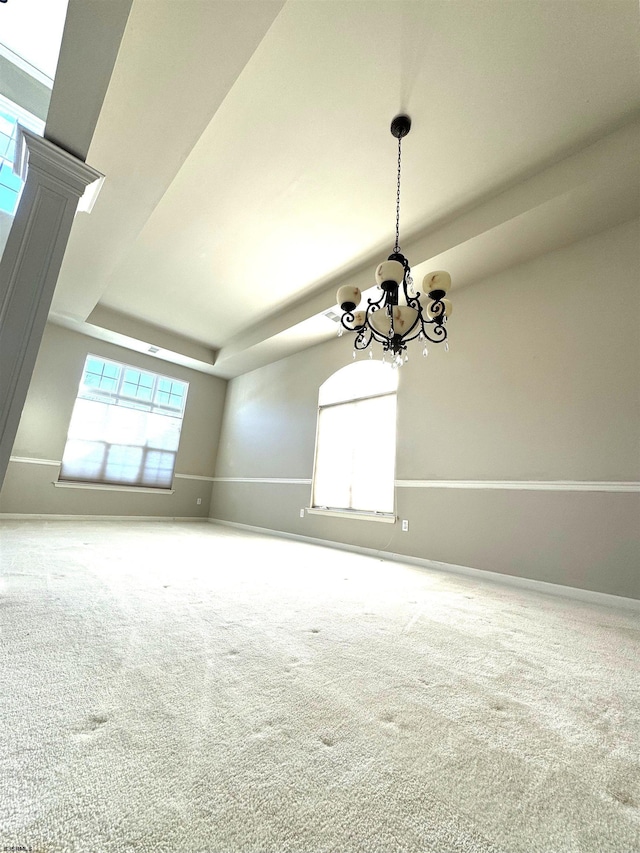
199	501
405	525
302	513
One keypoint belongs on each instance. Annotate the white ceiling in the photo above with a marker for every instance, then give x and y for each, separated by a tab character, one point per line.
250	169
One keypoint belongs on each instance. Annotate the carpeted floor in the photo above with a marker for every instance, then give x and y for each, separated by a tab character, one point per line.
173	688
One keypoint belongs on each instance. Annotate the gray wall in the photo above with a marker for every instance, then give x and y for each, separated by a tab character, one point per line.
541	384
23	89
45	420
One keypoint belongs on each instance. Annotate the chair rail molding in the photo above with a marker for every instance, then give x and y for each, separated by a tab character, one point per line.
29	268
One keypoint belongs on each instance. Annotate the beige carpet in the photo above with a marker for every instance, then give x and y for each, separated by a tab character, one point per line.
184	687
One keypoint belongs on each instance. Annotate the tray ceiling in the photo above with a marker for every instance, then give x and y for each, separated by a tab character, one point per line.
250	169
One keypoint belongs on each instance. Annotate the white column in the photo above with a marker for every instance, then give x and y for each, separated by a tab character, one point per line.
29	269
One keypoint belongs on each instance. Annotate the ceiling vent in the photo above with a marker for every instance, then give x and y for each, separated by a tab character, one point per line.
331	315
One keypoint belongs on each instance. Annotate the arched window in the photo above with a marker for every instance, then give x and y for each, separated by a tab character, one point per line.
356	439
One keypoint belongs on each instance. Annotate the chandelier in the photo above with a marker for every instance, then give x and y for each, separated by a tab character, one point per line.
398	316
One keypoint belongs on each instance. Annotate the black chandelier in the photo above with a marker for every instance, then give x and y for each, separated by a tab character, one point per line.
397	316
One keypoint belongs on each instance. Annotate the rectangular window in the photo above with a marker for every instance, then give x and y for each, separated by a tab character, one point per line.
125	426
351	472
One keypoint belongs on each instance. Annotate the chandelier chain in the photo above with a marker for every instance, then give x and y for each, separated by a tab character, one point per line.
397	246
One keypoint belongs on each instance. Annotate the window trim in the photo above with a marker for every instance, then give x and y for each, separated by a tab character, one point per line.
357	514
21	118
109	487
358	399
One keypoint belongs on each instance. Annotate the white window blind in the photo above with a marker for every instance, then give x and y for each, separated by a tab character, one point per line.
356	440
125	426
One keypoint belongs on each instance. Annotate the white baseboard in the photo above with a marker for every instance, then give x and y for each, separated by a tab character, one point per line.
24	516
603	599
590	596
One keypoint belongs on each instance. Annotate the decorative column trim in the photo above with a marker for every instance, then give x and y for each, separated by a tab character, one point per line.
33	152
30	266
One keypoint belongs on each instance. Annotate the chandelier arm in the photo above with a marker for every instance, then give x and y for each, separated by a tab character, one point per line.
374	333
346	318
362	340
438	310
439	331
381	339
421	328
372	301
373	306
414	302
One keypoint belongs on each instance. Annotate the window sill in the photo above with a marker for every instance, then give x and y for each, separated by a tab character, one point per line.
385	517
107	487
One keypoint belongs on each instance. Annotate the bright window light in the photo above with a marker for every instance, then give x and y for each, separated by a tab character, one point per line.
356	439
125	426
11	183
31	31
